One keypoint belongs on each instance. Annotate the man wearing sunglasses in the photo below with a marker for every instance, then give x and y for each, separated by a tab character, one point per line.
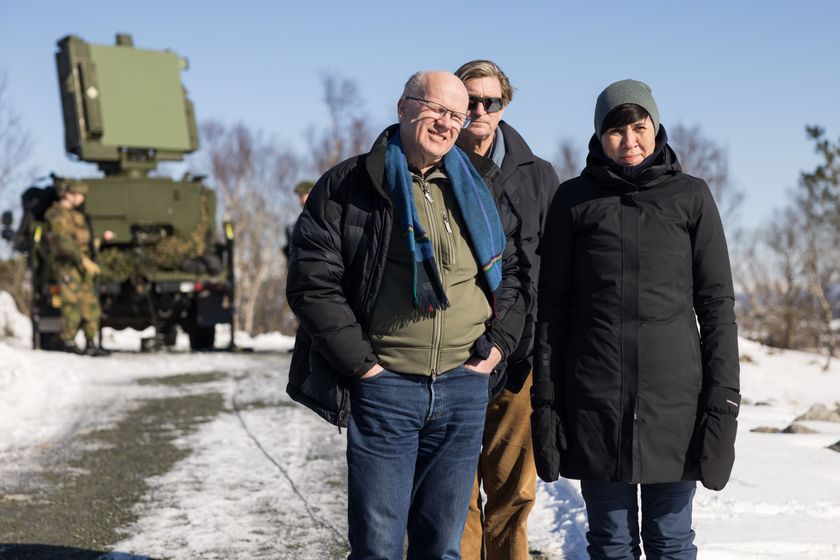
497	529
406	278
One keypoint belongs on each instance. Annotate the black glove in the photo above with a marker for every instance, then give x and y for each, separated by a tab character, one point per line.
546	433
719	425
549	439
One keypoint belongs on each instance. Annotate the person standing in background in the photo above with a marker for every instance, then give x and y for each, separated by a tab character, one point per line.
506	469
302	190
70	250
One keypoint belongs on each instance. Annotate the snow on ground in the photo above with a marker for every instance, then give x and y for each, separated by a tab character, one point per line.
129	340
42	394
783	501
13	325
283	499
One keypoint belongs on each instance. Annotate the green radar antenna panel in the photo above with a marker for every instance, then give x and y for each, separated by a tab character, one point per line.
125	108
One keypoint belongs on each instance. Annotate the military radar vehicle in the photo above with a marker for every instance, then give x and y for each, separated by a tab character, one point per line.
163	263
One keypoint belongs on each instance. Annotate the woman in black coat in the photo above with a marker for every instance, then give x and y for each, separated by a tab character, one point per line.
627	393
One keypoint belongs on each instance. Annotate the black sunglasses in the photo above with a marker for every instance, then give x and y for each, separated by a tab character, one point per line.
491	104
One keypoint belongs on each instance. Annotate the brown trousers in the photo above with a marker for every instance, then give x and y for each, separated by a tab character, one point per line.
506	470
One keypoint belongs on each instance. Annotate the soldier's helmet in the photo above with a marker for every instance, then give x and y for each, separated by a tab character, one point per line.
304	187
70	185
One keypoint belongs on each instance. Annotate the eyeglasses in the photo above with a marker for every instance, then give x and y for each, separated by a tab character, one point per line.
462	120
491	104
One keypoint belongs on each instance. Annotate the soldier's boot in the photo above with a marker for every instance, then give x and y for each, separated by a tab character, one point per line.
70	347
93	349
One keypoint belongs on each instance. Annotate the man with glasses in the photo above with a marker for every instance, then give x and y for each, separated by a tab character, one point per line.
407	282
497	529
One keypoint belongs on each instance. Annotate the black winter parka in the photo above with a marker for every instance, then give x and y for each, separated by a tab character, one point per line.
530	182
338	257
639	394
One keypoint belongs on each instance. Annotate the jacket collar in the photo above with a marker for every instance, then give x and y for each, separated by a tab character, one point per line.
375	164
517	154
663	165
375	160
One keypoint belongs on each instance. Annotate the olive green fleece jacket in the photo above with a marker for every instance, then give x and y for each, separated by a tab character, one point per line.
405	339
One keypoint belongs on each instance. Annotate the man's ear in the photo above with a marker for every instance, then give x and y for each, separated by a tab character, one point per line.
400	109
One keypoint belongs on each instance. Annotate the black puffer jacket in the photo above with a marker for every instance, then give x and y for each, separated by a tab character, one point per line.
339	250
530	182
626	389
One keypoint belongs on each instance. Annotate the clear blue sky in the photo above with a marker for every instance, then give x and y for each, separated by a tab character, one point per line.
752	74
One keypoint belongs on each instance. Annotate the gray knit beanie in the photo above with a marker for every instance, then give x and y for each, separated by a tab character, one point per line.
622	92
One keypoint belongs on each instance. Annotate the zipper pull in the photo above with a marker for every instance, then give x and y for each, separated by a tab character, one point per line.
446	222
426	192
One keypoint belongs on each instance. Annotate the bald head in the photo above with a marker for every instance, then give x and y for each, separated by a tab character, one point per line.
420	83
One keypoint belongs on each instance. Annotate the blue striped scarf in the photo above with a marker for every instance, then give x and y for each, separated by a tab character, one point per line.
480	216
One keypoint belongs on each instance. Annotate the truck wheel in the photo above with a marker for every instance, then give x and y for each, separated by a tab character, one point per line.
202	338
43	340
170	335
46	341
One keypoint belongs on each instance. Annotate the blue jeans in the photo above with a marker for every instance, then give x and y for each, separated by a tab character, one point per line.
412	450
613	511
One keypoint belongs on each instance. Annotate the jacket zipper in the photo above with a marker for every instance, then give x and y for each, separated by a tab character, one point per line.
636	476
636	447
342	408
435	239
629	384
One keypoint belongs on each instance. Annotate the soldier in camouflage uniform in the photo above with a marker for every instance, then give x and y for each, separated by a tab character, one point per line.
70	250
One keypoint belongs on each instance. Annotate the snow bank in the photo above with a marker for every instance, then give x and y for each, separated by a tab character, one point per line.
787	377
43	394
129	340
14	325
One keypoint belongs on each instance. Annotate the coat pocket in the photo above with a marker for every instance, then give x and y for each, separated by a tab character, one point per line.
449	241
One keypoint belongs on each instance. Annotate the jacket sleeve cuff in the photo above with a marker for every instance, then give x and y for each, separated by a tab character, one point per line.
722	400
369	361
482	347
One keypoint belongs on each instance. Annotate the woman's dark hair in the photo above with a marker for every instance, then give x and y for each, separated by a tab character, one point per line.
622	116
